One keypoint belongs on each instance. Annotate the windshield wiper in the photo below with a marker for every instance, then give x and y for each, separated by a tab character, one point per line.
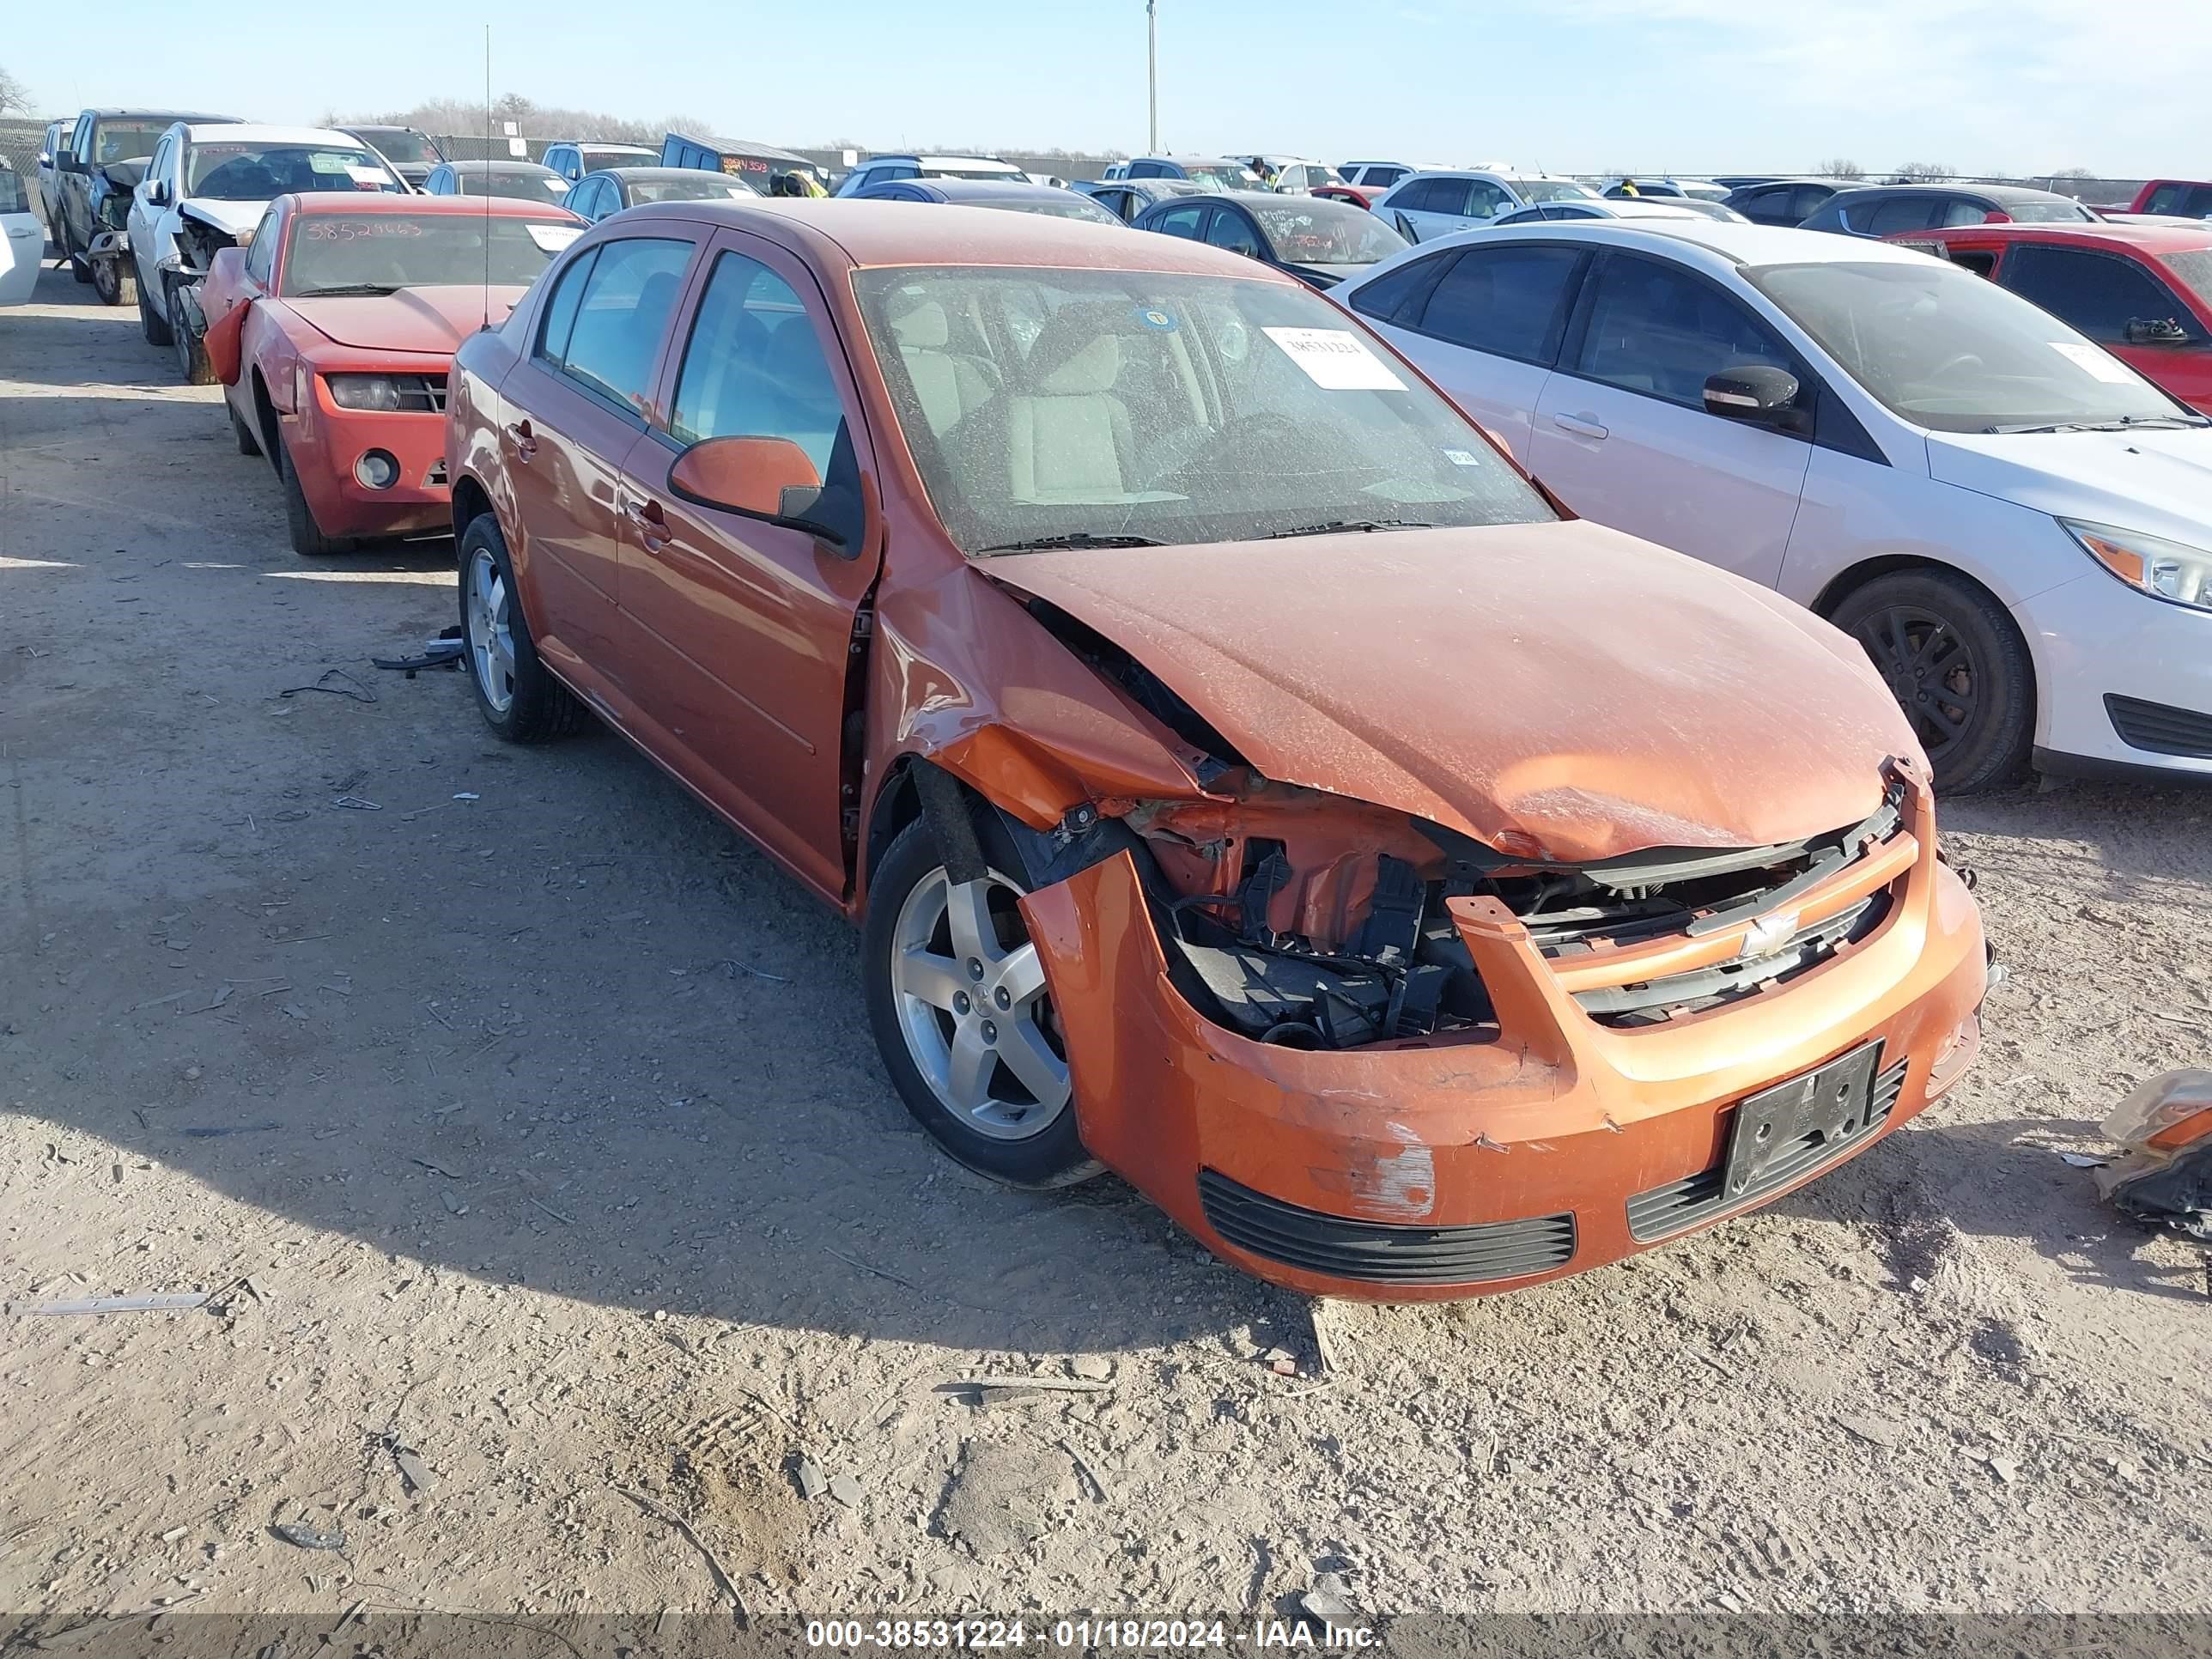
339	289
1334	525
1078	538
2124	423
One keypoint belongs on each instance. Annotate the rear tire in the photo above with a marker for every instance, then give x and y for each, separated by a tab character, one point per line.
308	538
516	693
115	284
190	346
987	1078
1957	666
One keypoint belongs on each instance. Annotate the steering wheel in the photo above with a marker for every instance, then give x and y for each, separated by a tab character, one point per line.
1963	359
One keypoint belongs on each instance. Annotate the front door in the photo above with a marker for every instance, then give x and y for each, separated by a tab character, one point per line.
574	409
741	630
1621	434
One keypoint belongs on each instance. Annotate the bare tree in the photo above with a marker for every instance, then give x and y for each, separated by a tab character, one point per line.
13	95
1927	173
2073	172
1840	168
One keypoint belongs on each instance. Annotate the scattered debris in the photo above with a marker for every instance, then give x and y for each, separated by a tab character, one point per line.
1873	1431
1051	1384
669	1516
1280	1361
467	794
212	1130
2166	1176
846	1489
309	1538
174	1533
1089	1474
444	652
2084	1161
1330	1601
150	1302
734	968
808	1474
356	804
1091	1367
1324	1345
436	1168
411	1469
353	690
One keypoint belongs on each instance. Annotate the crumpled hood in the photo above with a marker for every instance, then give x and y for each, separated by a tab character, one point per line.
236	217
2160	482
427	319
1559	690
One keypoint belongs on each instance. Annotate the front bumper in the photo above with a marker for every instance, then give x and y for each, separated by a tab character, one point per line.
419	503
2095	638
1434	1168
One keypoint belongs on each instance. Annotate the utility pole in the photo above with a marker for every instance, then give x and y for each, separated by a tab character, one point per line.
1152	72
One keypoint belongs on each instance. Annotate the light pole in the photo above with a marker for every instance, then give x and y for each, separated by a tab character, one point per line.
1152	72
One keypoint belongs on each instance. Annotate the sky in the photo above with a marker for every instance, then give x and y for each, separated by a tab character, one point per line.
2023	86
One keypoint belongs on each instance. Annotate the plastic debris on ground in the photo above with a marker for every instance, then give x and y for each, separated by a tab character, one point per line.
2166	1175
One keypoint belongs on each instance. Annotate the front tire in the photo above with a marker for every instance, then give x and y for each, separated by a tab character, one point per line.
958	1001
516	692
115	285
79	267
151	323
190	346
308	538
1957	668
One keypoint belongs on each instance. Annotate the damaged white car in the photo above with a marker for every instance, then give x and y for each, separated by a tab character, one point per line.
205	189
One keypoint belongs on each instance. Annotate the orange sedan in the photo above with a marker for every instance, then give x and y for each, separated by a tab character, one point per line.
1244	778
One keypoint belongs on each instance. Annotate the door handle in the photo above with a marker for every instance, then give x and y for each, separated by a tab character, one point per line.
524	440
652	528
1580	425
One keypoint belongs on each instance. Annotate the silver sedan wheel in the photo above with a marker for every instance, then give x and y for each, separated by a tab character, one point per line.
972	1005
491	637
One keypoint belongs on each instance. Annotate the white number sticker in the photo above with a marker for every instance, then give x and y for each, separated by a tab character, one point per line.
2100	363
1335	359
551	238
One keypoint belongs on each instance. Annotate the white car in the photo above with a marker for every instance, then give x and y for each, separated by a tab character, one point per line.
2015	525
22	239
1438	203
889	169
205	188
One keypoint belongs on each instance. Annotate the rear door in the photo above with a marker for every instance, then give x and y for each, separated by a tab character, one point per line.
20	241
741	630
1621	434
576	407
1489	329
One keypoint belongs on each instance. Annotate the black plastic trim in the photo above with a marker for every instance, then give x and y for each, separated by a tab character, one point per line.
2160	728
1378	1253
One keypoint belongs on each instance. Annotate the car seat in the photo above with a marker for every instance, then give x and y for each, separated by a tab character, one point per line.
1067	430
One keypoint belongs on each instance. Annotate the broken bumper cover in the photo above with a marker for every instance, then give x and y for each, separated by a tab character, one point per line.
419	500
1431	1168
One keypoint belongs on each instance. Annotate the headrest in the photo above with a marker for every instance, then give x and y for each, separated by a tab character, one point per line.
925	328
1078	350
1092	369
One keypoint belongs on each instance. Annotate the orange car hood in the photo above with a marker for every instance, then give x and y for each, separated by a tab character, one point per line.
1558	690
427	319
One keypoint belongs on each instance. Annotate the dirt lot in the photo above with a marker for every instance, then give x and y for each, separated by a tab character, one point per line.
540	1111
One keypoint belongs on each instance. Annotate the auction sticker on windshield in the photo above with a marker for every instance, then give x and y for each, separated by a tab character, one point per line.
2100	363
1335	359
551	238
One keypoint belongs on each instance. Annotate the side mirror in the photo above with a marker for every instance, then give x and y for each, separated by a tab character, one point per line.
767	479
46	158
157	194
1757	393
2156	331
65	162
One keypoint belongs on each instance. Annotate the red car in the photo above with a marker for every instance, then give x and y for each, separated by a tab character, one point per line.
2143	292
2181	198
1358	195
332	333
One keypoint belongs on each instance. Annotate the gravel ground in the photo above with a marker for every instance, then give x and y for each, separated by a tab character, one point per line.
547	1127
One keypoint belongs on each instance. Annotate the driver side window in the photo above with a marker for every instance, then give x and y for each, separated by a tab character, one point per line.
1661	332
261	254
1229	230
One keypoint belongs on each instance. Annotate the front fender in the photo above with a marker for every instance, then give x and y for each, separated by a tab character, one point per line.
224	341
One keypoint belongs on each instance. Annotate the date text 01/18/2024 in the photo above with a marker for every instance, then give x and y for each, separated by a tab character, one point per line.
1156	1635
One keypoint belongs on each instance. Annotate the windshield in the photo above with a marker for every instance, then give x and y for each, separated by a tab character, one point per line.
1551	190
256	173
2044	213
126	141
1073	207
406	145
1313	230
1952	351
699	187
1225	178
378	253
539	187
1048	404
2194	269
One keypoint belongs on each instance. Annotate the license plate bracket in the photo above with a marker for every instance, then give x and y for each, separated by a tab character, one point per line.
1831	1101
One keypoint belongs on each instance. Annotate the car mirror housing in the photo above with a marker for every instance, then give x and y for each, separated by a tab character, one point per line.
768	478
157	194
1757	393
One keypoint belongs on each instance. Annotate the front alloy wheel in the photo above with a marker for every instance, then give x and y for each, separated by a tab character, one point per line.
1957	666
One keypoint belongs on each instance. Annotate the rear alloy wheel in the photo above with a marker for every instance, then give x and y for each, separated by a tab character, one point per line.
957	995
516	693
1956	667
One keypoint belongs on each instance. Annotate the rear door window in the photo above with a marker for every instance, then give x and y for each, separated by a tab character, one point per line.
2099	293
1181	221
1511	301
1405	288
1897	213
1228	229
604	325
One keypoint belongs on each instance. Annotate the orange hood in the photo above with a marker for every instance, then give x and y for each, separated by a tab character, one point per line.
1558	690
433	321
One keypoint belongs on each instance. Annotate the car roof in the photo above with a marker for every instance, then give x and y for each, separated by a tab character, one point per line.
845	231
944	158
378	126
982	190
124	113
2179	238
743	147
500	164
1717	244
645	174
1957	187
360	204
254	132
1196	161
608	143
